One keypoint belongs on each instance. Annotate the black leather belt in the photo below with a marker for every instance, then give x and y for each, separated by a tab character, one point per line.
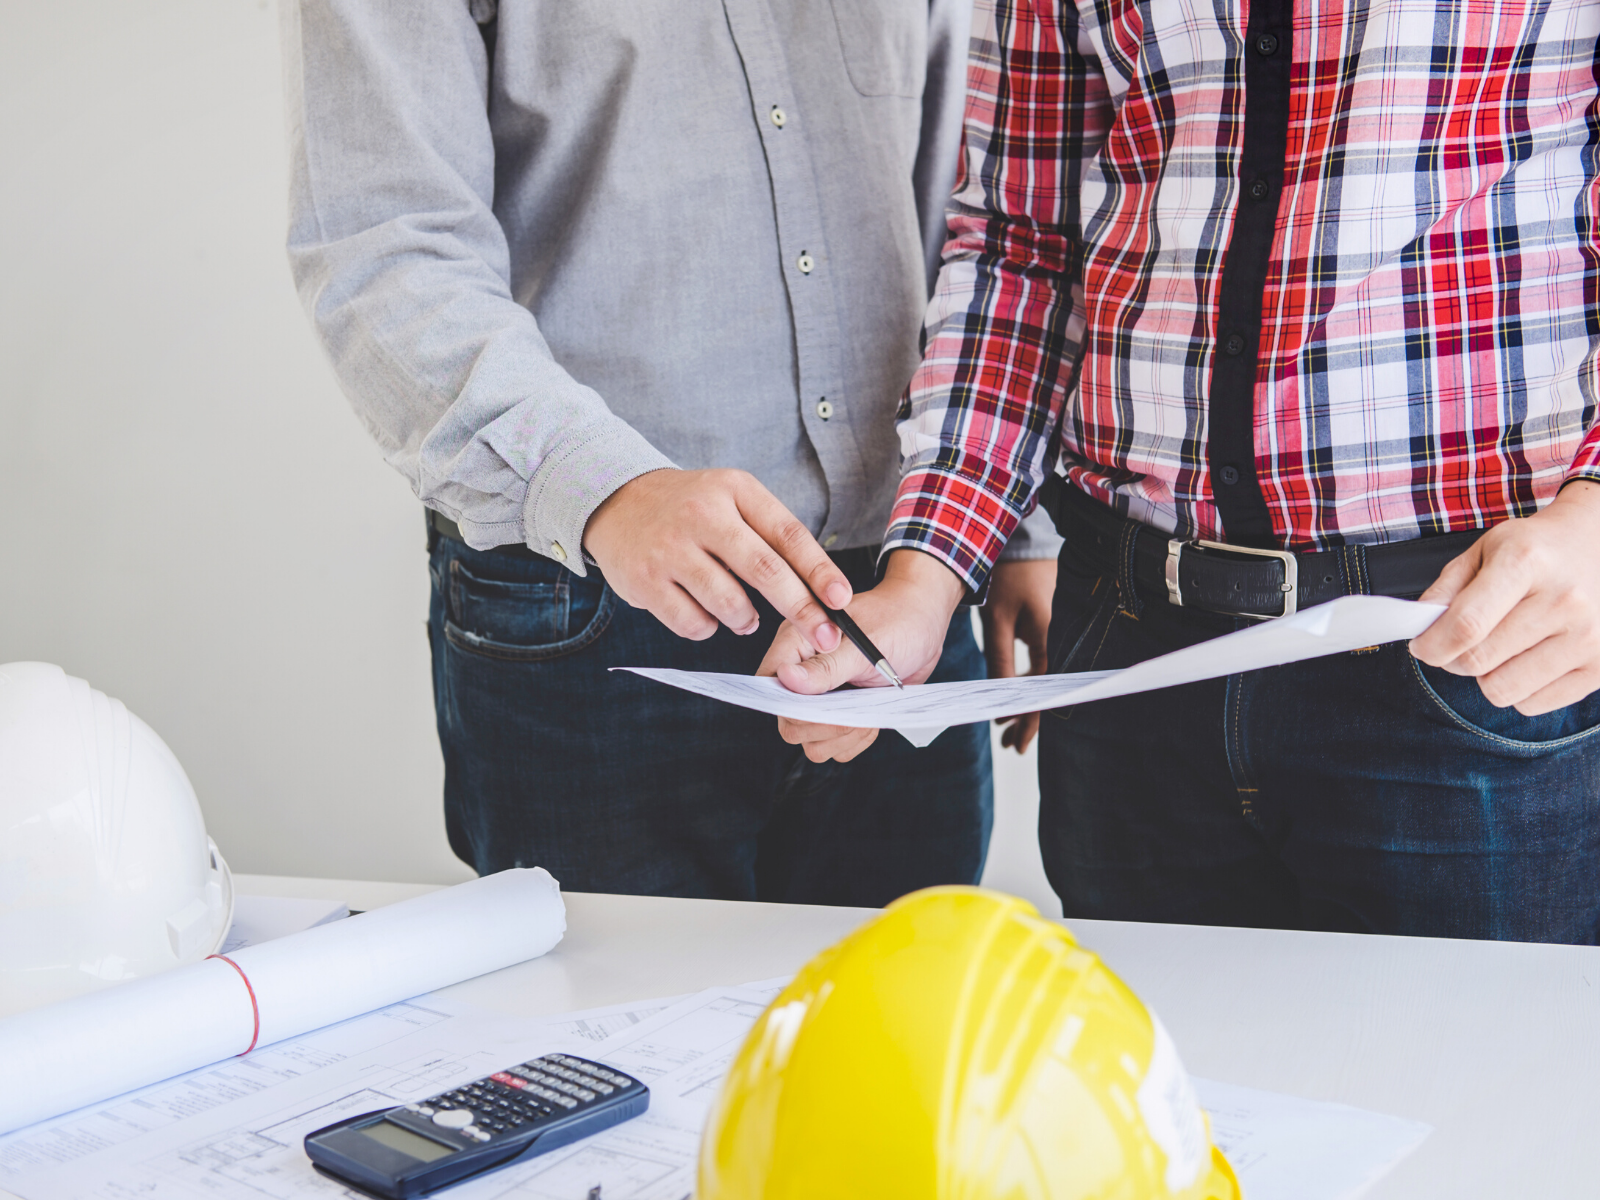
1240	580
445	527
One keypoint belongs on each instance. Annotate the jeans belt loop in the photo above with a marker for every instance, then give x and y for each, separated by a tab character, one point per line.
1353	564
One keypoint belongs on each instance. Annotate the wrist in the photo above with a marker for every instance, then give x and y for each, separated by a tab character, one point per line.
611	503
927	577
1580	492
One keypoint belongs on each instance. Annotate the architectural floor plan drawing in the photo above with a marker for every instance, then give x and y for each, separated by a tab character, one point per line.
264	1162
682	1053
236	1130
144	1114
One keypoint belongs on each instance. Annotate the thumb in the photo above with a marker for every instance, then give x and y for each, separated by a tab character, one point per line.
790	646
823	672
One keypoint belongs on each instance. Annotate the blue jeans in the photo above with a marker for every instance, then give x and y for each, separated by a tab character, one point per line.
1363	792
615	783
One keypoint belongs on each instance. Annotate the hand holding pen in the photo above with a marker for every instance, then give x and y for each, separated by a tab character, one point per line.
863	643
909	613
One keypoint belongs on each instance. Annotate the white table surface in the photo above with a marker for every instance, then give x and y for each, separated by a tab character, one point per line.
1497	1045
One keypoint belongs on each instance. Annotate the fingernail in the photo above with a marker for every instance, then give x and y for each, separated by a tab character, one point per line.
838	595
750	628
828	635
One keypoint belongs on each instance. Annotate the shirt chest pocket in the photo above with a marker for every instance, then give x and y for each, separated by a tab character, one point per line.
885	45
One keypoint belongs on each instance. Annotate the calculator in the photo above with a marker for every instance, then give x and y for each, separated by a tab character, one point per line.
513	1114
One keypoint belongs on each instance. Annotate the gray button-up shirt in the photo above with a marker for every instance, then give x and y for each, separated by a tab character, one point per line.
551	245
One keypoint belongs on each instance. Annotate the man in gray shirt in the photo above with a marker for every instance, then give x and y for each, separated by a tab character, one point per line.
636	286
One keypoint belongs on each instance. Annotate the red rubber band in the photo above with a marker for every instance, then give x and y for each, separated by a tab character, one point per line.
255	1009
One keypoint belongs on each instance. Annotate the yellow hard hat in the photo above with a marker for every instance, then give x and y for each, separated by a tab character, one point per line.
959	1047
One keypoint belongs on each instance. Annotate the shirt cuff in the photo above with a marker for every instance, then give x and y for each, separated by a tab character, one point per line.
953	516
575	478
1587	463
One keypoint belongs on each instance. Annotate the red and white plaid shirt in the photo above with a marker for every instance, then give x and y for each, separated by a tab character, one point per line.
1429	307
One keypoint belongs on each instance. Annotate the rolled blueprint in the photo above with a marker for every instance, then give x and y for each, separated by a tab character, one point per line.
92	1047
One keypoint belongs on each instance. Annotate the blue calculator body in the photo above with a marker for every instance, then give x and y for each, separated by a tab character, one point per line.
511	1115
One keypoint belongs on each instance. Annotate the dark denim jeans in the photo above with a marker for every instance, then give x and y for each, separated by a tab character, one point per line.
1363	792
615	783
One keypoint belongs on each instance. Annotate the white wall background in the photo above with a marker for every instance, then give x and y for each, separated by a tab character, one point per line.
190	517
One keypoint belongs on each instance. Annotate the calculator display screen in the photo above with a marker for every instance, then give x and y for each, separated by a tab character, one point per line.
407	1142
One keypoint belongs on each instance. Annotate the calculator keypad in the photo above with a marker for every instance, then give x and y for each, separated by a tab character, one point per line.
534	1091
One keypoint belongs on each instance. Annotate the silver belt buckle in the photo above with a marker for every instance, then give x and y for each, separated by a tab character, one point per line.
1291	574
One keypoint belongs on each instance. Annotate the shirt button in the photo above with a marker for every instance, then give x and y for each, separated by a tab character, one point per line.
1230	475
824	409
1235	344
805	263
1267	45
557	553
778	116
830	539
1259	189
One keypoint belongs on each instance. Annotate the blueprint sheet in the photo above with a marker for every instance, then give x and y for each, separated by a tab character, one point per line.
1282	1147
921	711
235	1130
1285	1147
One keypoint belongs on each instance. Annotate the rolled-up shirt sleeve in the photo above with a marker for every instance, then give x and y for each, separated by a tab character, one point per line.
405	272
1004	330
1586	465
938	160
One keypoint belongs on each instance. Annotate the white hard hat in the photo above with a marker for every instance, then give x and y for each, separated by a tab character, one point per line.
106	872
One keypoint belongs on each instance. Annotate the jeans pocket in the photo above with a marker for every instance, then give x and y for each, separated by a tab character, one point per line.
1084	604
885	46
1459	700
523	616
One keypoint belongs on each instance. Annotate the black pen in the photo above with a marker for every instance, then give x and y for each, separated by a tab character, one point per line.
864	644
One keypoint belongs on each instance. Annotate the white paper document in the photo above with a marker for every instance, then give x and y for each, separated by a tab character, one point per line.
921	711
681	1055
235	1129
1286	1148
1281	1147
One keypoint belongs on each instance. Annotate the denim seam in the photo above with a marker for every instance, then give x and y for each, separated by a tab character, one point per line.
1132	603
1511	743
1235	748
1065	711
468	644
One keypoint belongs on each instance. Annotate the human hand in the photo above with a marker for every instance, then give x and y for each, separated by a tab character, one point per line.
1524	615
678	542
1020	596
906	617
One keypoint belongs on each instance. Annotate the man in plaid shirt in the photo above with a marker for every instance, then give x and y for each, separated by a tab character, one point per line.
1320	282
